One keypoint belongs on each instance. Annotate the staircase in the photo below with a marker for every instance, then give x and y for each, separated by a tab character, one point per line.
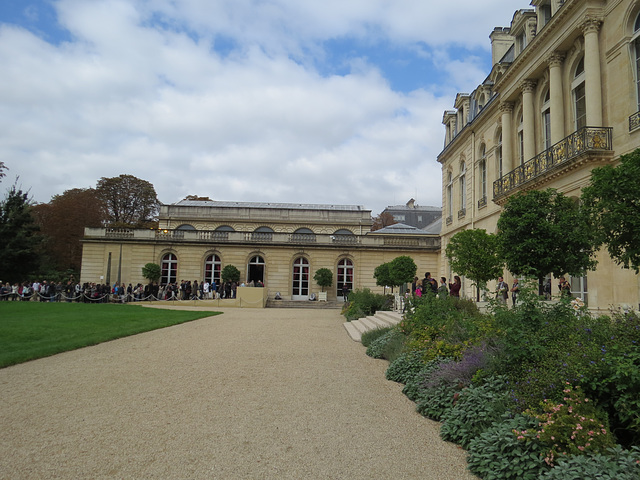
356	328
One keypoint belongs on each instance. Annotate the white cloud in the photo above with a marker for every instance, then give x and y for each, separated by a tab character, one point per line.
140	90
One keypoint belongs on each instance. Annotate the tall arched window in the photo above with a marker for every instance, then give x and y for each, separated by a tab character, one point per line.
255	269
546	121
300	281
579	96
482	173
169	269
212	268
345	275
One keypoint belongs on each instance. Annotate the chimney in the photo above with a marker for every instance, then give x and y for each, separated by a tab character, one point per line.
501	42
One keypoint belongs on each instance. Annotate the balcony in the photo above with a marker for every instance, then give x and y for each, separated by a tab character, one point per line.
482	202
588	143
462	213
634	121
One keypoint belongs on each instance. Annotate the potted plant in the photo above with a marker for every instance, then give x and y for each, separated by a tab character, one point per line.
324	278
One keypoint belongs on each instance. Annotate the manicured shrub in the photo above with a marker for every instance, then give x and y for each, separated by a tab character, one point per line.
496	454
364	302
368	337
475	410
435	402
616	464
414	386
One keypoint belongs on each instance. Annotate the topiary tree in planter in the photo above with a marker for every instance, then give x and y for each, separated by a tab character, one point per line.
152	272
230	274
323	277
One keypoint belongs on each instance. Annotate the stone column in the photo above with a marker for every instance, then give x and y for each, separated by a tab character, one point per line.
555	62
506	110
528	119
593	79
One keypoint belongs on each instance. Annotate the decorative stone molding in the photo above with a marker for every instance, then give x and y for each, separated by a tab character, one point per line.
506	107
528	86
591	24
556	59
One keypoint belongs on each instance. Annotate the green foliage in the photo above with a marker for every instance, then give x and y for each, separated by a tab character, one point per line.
614	383
544	231
406	366
19	242
612	202
496	454
152	272
323	277
616	464
414	387
402	270
130	201
435	402
382	274
368	337
571	427
230	274
475	254
387	346
363	303
475	410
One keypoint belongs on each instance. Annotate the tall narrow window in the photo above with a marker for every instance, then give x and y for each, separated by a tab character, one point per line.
499	156
483	172
345	275
546	122
300	281
521	140
579	96
212	269
450	195
636	54
169	272
255	270
463	186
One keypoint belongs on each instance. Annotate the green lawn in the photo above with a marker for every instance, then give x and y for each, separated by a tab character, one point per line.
30	330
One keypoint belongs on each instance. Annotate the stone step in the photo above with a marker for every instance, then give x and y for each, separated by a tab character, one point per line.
356	328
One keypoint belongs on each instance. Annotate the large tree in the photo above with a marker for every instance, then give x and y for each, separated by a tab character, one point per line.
475	254
19	239
612	201
383	220
542	232
130	201
62	222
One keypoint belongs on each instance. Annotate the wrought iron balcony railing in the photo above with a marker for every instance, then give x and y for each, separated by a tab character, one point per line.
584	141
634	121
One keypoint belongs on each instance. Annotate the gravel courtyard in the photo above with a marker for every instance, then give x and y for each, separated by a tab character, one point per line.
250	394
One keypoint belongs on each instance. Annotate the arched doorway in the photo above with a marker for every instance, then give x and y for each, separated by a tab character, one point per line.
255	270
345	275
300	281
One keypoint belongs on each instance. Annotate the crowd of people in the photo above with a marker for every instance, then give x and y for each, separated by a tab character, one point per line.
72	291
431	285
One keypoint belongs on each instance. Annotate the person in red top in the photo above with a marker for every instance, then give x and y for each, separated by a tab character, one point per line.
454	288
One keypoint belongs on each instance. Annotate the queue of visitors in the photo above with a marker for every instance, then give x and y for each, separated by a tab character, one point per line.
72	291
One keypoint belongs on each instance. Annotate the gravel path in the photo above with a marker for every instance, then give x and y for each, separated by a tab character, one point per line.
250	394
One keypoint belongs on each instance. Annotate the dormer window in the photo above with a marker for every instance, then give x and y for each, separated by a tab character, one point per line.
521	42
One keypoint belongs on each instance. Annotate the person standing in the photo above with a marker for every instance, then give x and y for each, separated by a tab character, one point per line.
502	290
515	289
454	288
345	292
443	292
564	287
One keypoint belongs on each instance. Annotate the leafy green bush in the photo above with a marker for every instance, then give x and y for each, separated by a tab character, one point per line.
617	464
475	410
363	303
369	336
414	386
496	454
435	402
386	345
406	366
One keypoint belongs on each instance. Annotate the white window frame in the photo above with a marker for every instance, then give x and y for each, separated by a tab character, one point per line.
579	102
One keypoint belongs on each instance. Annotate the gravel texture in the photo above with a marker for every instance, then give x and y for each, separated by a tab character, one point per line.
250	394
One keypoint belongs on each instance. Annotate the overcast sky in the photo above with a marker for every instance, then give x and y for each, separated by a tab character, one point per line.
300	101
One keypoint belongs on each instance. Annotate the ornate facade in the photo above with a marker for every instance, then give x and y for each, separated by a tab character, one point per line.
563	97
281	245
